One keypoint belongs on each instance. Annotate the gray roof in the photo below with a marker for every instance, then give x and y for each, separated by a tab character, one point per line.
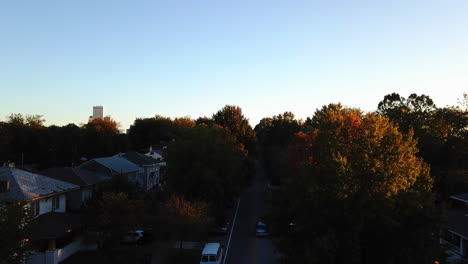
76	176
461	197
26	185
140	159
118	164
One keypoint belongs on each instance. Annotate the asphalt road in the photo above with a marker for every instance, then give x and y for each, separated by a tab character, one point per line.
244	246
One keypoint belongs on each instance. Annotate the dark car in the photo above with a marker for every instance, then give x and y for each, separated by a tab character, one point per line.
137	236
220	229
261	229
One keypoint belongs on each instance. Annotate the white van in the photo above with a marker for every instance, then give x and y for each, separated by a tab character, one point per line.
212	254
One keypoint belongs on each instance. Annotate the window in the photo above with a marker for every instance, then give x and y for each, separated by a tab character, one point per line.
55	203
212	258
204	259
35	208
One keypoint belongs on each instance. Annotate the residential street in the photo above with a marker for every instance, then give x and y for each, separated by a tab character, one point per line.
244	246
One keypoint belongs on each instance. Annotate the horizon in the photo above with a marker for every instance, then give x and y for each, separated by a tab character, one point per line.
123	129
175	59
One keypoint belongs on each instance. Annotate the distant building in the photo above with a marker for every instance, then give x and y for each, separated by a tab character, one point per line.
98	113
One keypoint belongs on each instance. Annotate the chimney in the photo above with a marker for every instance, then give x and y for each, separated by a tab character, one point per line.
4	186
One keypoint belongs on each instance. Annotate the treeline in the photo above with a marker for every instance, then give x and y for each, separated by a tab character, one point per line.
365	187
25	140
211	156
441	135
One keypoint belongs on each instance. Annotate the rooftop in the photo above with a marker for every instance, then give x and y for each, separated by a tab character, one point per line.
76	176
140	159
118	164
26	185
210	249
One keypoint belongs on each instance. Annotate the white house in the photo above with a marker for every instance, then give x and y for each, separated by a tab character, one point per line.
47	199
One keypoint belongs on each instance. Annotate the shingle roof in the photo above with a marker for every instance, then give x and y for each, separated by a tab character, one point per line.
140	159
461	197
118	164
76	176
26	185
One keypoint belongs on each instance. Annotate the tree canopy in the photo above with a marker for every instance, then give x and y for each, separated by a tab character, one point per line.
441	135
232	118
356	193
206	164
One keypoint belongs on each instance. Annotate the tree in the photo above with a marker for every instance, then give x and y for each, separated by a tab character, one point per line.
116	213
187	217
184	122
274	136
357	193
408	113
441	134
101	137
231	117
205	121
25	139
146	132
206	164
15	224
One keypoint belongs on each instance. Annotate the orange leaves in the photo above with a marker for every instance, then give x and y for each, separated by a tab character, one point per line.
300	152
185	212
106	125
363	152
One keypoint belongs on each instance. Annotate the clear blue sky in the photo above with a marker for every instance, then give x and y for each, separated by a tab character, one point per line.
190	58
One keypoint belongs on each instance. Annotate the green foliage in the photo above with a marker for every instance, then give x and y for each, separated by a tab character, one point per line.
206	164
27	139
205	121
231	117
441	133
15	224
116	213
146	132
274	136
356	193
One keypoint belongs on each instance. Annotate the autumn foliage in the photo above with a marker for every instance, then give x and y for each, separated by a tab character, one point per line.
357	193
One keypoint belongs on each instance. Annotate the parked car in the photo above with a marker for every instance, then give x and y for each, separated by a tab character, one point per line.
212	253
261	229
219	229
137	236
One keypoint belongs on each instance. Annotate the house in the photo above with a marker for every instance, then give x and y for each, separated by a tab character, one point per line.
57	234
457	235
85	179
149	168
156	153
114	166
